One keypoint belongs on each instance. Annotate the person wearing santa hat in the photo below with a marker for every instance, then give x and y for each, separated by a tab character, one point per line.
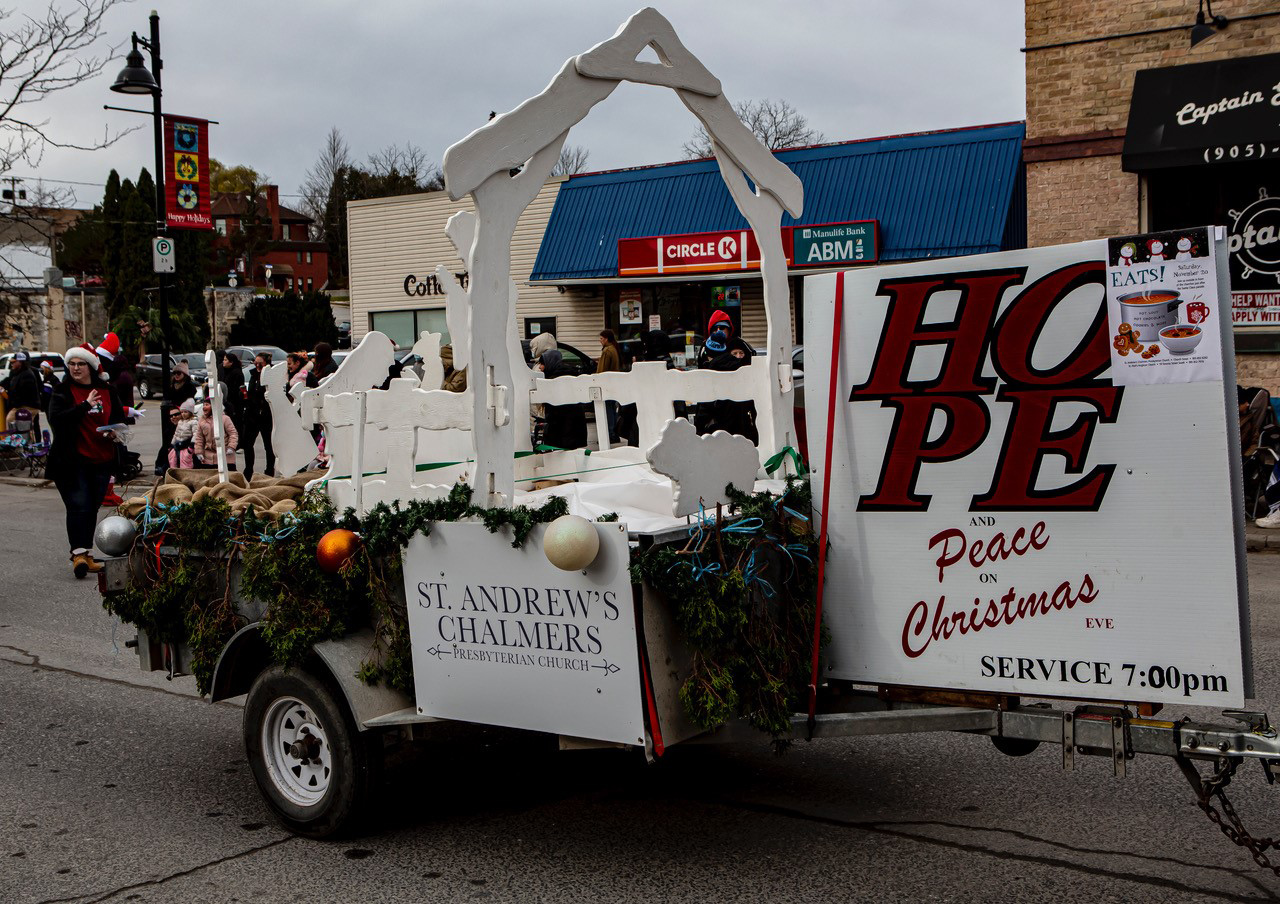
117	369
82	459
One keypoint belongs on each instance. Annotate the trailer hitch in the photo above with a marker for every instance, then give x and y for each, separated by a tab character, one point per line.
1227	820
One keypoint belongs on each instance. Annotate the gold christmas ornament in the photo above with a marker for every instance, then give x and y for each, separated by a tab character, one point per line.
335	548
571	543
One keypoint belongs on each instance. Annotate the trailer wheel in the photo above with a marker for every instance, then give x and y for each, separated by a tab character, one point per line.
1014	746
317	772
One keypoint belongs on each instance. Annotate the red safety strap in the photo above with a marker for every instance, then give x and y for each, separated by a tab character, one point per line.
651	704
826	496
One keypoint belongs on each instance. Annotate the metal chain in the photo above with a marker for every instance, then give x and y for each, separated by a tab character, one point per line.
1233	828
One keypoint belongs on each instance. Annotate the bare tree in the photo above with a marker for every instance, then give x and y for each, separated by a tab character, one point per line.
410	161
40	55
776	123
573	159
318	181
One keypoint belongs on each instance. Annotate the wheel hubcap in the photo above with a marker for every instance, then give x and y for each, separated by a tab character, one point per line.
296	750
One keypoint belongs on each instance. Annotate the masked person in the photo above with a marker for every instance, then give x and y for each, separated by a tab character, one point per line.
725	351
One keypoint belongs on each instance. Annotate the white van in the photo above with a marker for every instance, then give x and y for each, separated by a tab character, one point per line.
34	359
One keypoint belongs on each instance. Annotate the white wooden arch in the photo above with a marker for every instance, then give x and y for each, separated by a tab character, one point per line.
527	141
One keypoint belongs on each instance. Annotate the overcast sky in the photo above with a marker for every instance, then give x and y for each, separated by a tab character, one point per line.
278	74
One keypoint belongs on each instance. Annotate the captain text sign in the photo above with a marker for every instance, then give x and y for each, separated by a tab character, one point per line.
1005	515
503	637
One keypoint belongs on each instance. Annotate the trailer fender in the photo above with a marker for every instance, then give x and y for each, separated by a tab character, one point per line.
246	655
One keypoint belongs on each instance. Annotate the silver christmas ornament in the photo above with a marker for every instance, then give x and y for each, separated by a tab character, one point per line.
114	536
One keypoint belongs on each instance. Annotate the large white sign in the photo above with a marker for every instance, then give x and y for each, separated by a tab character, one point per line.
1005	517
503	637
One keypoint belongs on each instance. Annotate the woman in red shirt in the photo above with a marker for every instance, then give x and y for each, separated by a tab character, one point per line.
81	459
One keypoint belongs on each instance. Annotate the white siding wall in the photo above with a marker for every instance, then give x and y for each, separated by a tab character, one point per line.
390	238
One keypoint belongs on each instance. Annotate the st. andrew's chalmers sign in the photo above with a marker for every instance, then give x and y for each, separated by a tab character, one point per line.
502	637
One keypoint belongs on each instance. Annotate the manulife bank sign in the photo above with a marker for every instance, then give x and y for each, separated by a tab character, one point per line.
834	243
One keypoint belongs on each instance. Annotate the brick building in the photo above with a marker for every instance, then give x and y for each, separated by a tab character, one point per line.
283	247
1196	141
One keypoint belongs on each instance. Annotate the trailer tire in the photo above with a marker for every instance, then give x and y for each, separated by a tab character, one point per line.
1014	746
317	772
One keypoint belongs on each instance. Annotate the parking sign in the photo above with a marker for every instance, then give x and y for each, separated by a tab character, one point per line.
162	255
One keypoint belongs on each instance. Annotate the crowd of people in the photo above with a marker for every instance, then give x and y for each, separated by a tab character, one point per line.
86	408
565	426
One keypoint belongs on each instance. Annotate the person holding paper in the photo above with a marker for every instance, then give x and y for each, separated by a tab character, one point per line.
83	456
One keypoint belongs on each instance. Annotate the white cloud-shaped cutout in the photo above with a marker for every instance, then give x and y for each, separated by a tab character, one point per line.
701	466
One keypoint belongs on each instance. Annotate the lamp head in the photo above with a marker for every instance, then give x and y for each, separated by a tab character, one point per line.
134	78
1206	26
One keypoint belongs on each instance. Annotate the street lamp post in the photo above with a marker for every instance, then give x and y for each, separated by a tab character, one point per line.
136	79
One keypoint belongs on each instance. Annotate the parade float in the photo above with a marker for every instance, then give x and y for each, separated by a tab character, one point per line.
1025	486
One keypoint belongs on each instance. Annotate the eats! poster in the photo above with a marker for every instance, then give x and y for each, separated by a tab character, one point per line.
1162	305
1006	515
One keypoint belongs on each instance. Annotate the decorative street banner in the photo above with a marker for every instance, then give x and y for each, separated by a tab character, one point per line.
186	175
503	637
1006	515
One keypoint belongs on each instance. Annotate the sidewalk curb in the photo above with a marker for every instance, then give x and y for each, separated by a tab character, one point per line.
35	483
1257	539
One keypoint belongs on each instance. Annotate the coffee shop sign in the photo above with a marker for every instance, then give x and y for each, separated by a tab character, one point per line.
430	285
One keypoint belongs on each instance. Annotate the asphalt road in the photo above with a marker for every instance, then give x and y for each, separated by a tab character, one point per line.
119	786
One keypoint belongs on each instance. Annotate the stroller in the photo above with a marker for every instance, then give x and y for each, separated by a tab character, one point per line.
1259	447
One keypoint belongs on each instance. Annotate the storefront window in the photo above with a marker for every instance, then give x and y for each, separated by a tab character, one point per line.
1245	198
404	327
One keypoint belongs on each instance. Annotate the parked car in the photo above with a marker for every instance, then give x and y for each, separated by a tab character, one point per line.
148	376
34	359
576	361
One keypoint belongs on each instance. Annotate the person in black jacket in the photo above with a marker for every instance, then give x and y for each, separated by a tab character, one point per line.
725	351
82	459
231	373
566	425
21	390
322	366
48	383
257	417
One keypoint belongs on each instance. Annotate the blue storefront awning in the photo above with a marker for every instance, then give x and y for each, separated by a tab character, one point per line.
936	194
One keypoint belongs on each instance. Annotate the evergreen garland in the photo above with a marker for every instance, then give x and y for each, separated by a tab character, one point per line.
186	597
742	590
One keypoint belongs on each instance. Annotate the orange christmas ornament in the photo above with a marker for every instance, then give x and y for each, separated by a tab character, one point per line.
335	548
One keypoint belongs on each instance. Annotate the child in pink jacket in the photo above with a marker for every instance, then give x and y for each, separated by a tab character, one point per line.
206	448
182	448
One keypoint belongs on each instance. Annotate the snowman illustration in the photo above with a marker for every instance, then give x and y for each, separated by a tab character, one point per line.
1127	252
1155	250
1184	249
